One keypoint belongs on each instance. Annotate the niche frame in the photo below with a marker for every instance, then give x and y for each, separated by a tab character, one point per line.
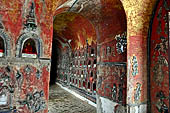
21	41
7	43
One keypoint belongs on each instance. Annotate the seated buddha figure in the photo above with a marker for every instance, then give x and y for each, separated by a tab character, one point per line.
29	47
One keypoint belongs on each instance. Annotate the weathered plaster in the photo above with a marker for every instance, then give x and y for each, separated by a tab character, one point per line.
159	72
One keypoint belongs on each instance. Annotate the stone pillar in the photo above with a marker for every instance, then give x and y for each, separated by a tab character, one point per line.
137	74
138	17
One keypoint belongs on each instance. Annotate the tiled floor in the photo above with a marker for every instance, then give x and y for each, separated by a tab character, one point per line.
61	101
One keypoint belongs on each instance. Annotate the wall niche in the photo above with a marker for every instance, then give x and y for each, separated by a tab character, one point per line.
5	42
29	45
2	48
29	49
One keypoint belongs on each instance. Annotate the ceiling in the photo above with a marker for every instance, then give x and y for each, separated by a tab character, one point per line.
97	21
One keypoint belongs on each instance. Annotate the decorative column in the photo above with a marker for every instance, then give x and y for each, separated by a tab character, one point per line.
138	17
137	74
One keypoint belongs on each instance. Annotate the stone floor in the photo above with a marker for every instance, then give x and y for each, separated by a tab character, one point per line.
61	101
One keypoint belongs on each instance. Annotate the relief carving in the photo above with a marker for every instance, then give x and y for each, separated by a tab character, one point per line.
158	71
121	43
160	104
161	62
7	87
137	94
34	101
134	64
114	92
162	46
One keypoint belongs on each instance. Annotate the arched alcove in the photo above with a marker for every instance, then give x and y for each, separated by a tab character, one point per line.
5	44
29	48
31	40
111	56
2	47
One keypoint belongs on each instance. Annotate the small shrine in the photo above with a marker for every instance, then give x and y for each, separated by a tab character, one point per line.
29	49
1	47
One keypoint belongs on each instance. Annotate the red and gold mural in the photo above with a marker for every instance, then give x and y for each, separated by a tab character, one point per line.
159	70
77	61
74	27
91	38
23	87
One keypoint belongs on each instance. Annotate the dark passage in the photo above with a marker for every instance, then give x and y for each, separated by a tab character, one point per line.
54	57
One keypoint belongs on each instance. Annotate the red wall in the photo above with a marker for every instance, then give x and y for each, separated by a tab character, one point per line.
111	60
25	81
73	26
159	74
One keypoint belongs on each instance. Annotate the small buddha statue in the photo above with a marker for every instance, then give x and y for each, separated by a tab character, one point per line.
29	49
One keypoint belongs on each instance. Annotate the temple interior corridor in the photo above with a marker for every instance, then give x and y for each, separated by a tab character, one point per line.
113	53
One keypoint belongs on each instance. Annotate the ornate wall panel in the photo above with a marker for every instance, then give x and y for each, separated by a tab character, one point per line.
24	82
159	72
112	81
78	68
23	87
